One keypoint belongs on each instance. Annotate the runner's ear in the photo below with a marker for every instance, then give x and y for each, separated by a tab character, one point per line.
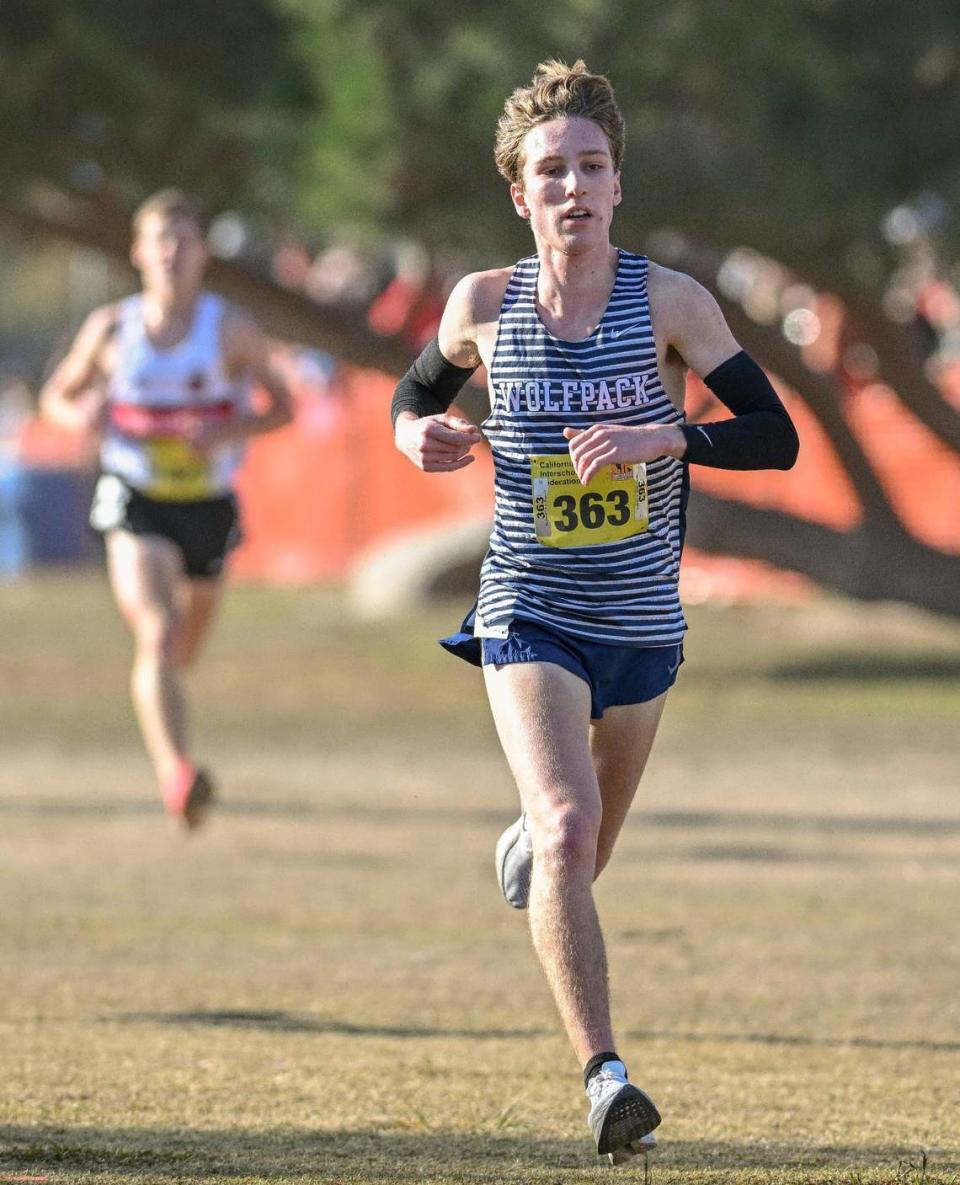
519	201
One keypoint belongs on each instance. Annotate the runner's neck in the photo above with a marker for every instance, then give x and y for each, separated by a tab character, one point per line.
573	291
168	319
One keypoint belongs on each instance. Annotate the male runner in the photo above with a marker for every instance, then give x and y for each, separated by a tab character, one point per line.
578	624
165	375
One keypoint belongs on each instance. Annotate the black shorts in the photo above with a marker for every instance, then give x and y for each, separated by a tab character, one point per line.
203	531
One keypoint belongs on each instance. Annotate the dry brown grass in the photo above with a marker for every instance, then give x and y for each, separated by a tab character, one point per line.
325	986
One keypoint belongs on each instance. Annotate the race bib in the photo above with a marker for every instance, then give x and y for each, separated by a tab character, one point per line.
177	471
567	514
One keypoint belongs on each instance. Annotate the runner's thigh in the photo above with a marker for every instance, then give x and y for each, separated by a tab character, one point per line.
621	743
542	714
144	573
198	602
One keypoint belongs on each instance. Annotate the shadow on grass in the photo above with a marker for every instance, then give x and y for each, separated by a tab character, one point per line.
402	1157
745	853
279	1021
695	820
300	1022
495	820
919	1043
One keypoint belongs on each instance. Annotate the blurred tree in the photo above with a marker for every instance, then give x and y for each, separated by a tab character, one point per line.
103	102
793	127
109	99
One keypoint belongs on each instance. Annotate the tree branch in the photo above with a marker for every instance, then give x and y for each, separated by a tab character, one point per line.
866	563
896	350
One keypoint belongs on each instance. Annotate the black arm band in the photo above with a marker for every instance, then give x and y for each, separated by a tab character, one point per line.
761	435
430	385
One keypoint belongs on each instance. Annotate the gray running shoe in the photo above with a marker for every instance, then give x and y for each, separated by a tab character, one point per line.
514	858
621	1116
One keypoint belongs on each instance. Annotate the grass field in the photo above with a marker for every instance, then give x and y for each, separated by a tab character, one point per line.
324	986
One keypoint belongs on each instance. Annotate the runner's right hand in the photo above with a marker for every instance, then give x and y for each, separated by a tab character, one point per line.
436	444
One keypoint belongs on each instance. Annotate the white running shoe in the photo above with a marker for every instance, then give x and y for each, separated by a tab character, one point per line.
514	860
621	1116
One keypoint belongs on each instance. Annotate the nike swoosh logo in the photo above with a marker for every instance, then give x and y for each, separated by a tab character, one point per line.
615	333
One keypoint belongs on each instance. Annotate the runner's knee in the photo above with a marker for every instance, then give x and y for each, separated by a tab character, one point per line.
180	658
155	635
566	834
184	651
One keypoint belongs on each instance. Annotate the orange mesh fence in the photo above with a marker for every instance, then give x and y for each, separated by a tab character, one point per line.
326	487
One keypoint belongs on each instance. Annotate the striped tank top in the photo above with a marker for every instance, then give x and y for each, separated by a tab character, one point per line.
622	591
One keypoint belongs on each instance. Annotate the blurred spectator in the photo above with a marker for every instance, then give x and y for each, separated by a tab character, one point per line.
314	378
921	293
342	275
291	263
411	305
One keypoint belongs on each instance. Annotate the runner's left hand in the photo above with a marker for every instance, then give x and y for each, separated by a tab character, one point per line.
606	444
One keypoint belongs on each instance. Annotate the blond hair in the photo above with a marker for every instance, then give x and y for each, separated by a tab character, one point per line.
169	203
557	91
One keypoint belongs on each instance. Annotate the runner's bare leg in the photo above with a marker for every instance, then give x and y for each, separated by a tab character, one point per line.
621	742
542	714
144	574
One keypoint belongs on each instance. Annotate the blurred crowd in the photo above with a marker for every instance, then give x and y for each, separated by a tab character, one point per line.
400	288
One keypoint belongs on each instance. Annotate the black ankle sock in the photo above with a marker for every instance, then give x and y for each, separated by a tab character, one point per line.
594	1064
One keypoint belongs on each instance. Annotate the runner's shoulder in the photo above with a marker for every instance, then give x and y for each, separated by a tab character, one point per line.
236	318
670	285
99	328
477	297
678	302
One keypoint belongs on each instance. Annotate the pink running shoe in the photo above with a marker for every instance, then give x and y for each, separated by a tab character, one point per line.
188	794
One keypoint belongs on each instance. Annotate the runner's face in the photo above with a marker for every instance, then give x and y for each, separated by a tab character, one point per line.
569	186
170	255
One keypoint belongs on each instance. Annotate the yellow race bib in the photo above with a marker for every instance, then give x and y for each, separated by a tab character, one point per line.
567	514
178	472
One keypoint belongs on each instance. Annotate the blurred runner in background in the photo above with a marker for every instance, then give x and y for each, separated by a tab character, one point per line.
166	377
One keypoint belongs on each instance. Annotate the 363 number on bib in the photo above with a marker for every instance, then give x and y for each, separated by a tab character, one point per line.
568	514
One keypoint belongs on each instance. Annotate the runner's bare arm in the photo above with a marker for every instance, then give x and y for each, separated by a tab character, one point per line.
74	396
246	352
439	442
689	322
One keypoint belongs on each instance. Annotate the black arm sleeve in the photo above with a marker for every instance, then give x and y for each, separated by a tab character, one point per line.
430	385
761	435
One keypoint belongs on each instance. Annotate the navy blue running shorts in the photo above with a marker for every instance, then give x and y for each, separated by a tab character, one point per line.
616	675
